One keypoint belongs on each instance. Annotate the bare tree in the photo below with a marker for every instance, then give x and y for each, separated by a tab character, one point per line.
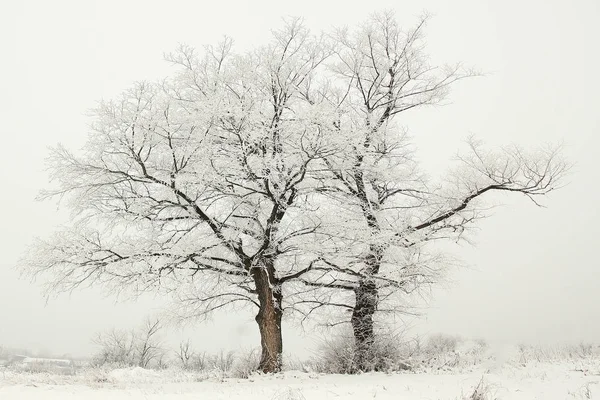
116	347
139	347
186	354
149	346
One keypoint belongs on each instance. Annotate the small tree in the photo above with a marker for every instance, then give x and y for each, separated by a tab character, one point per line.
150	348
116	347
186	354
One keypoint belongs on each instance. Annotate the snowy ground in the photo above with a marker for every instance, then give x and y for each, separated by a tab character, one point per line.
542	381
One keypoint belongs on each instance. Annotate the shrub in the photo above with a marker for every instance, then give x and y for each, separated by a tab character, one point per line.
336	356
481	392
140	347
246	364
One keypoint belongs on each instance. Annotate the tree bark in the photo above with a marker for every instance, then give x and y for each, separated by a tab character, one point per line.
269	317
367	300
362	325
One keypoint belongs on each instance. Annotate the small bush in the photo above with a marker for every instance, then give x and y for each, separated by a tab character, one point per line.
246	364
482	391
224	364
444	352
391	353
336	356
141	347
440	344
583	393
223	361
568	352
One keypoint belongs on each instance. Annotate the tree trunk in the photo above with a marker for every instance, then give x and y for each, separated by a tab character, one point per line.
367	300
362	325
269	318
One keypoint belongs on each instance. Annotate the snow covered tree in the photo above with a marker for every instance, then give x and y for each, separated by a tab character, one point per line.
197	183
392	213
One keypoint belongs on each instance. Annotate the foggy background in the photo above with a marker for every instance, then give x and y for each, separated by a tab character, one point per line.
533	274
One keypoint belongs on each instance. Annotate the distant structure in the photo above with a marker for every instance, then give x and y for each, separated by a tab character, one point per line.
17	358
55	365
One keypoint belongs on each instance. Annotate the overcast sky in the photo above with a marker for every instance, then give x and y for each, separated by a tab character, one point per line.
534	272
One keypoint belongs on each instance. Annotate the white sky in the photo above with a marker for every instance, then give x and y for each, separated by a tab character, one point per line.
534	272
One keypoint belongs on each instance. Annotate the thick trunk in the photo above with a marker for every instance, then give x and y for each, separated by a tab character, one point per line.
367	300
269	318
362	325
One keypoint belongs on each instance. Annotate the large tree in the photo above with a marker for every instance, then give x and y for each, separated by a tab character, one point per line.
394	213
198	181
